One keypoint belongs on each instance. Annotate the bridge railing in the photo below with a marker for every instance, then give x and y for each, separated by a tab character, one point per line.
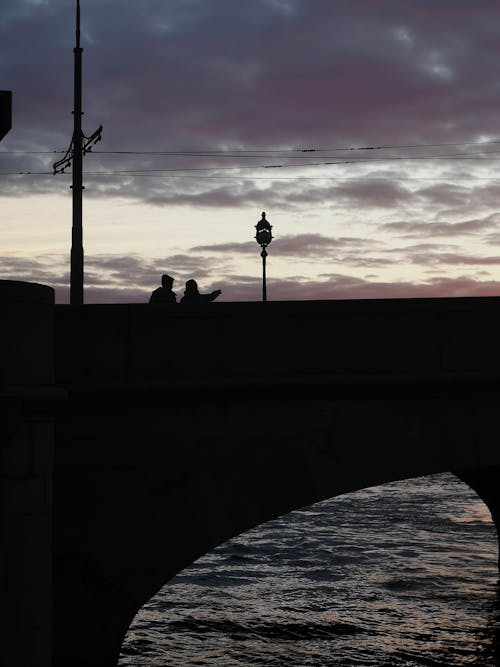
138	342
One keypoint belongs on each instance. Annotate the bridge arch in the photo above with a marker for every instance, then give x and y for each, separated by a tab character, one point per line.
206	469
219	570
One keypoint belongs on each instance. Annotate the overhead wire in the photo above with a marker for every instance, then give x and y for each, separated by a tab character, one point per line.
335	160
215	168
227	151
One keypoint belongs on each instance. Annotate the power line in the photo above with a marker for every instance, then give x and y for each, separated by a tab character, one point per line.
288	157
186	170
480	156
162	174
242	151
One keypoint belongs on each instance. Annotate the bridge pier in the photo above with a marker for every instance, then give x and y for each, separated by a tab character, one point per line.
26	467
486	483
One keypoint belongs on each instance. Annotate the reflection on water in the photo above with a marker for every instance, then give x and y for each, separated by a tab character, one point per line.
402	575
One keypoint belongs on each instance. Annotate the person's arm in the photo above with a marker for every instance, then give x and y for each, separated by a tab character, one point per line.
213	295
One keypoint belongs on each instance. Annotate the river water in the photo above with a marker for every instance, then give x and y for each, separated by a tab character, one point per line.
401	575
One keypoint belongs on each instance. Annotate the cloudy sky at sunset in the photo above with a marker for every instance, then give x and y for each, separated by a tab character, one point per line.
369	131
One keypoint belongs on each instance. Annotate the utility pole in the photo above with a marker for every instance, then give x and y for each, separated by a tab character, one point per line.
76	280
80	144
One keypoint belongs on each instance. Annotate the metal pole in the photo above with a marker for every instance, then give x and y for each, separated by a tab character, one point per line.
263	254
76	280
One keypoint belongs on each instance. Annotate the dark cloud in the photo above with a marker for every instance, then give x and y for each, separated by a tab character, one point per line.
445	195
343	251
239	191
341	286
493	239
357	252
271	73
369	193
417	229
298	245
419	248
454	259
335	287
49	269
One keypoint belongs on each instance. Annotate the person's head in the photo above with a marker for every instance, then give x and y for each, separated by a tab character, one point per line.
191	286
167	281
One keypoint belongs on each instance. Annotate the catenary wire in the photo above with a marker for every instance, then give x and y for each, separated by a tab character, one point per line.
480	155
117	172
191	152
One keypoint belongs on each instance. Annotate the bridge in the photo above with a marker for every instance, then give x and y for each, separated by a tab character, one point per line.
135	438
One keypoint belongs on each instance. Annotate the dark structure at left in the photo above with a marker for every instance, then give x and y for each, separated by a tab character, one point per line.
5	112
27	401
127	451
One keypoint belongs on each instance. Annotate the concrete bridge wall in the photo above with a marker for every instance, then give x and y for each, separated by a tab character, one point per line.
139	342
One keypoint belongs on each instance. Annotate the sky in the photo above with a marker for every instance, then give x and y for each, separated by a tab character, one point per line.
368	131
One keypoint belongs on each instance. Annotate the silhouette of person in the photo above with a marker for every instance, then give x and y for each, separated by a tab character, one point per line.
192	295
164	294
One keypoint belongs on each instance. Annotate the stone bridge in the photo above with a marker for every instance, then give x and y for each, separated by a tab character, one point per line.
136	438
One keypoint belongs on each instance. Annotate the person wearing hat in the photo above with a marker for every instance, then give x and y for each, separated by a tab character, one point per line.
164	294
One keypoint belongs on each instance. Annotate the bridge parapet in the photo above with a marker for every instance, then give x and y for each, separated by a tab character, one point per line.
138	342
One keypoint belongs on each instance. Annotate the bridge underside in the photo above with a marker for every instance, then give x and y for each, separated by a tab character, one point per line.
149	481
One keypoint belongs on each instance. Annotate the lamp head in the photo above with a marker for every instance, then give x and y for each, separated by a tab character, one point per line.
263	235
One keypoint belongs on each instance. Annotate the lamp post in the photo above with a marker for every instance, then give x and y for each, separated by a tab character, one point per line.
263	237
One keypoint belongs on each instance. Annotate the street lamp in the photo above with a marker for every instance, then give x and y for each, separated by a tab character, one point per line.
263	238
